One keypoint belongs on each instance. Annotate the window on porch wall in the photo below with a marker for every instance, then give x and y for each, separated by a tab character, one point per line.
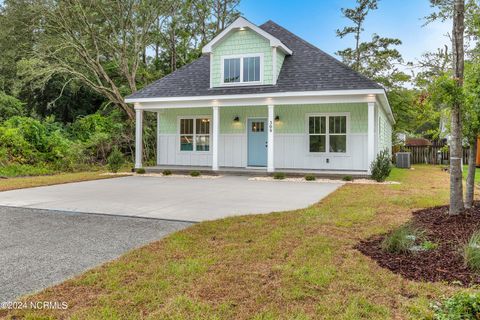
327	130
195	134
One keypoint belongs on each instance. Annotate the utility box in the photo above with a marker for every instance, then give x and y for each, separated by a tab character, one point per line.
403	160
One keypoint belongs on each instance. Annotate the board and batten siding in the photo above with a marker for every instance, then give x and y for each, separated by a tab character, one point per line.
291	137
384	132
242	42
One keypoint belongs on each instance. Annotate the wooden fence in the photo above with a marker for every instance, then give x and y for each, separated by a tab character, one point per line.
433	154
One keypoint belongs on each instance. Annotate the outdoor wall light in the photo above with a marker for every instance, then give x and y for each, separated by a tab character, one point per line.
277	118
236	119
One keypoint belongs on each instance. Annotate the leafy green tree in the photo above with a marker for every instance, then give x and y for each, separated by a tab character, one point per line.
19	25
9	107
377	58
357	16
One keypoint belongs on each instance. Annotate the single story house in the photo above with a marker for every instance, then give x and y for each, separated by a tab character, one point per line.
262	97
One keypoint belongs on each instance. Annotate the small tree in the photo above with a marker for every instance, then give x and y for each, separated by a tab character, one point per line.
471	124
381	166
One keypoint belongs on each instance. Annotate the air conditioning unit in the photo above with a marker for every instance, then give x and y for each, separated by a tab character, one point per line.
403	159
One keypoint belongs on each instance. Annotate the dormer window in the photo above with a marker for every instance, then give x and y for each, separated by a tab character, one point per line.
242	69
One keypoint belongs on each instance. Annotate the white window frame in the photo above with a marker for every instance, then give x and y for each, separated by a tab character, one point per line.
241	82
327	134
194	134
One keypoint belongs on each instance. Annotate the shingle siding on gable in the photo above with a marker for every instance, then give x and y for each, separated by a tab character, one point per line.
242	42
280	58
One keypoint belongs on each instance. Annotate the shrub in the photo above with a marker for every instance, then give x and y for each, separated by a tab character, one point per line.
471	252
381	166
140	171
166	172
279	175
429	245
310	177
10	106
461	306
115	160
195	173
347	178
401	239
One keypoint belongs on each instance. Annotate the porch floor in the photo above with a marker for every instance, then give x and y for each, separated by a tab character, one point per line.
256	171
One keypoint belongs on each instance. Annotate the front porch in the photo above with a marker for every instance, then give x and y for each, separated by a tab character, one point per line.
264	135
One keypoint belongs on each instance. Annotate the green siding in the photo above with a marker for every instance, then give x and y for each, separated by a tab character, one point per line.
280	58
168	117
385	132
242	42
292	117
228	126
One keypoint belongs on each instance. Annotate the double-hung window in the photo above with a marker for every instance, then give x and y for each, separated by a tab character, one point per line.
327	132
195	134
242	69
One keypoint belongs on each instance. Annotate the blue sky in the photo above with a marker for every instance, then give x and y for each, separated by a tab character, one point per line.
317	20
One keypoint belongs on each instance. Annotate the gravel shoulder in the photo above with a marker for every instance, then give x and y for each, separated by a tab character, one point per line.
40	248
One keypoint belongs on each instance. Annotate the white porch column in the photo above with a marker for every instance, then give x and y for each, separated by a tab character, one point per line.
138	136
158	138
271	129
215	132
371	134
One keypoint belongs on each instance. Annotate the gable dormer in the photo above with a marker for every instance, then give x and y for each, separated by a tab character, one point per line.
243	54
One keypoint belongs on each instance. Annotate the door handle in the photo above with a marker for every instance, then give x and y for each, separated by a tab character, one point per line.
266	144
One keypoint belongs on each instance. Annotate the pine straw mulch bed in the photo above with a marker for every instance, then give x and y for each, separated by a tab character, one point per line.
444	263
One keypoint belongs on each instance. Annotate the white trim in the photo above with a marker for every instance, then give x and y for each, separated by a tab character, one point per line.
241	82
158	138
138	138
327	96
262	95
327	115
270	138
371	135
194	134
244	23
215	135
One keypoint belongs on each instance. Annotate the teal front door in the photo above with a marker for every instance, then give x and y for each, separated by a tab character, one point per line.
257	142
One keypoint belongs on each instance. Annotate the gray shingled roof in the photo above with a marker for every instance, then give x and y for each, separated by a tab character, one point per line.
307	69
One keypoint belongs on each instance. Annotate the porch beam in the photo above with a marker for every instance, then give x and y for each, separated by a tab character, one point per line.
215	133
270	146
371	135
138	137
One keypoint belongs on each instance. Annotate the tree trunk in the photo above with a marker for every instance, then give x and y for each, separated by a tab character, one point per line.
456	187
472	166
357	47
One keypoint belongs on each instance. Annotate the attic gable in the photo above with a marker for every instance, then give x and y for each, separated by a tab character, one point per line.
241	24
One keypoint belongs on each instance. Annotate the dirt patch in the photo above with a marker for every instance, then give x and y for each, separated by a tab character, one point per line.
444	263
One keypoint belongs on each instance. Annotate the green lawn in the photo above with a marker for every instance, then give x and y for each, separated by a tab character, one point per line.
289	265
45	180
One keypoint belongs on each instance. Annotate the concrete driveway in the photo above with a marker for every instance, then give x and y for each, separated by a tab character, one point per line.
171	198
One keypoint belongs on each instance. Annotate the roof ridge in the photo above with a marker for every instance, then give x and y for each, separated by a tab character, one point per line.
320	50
